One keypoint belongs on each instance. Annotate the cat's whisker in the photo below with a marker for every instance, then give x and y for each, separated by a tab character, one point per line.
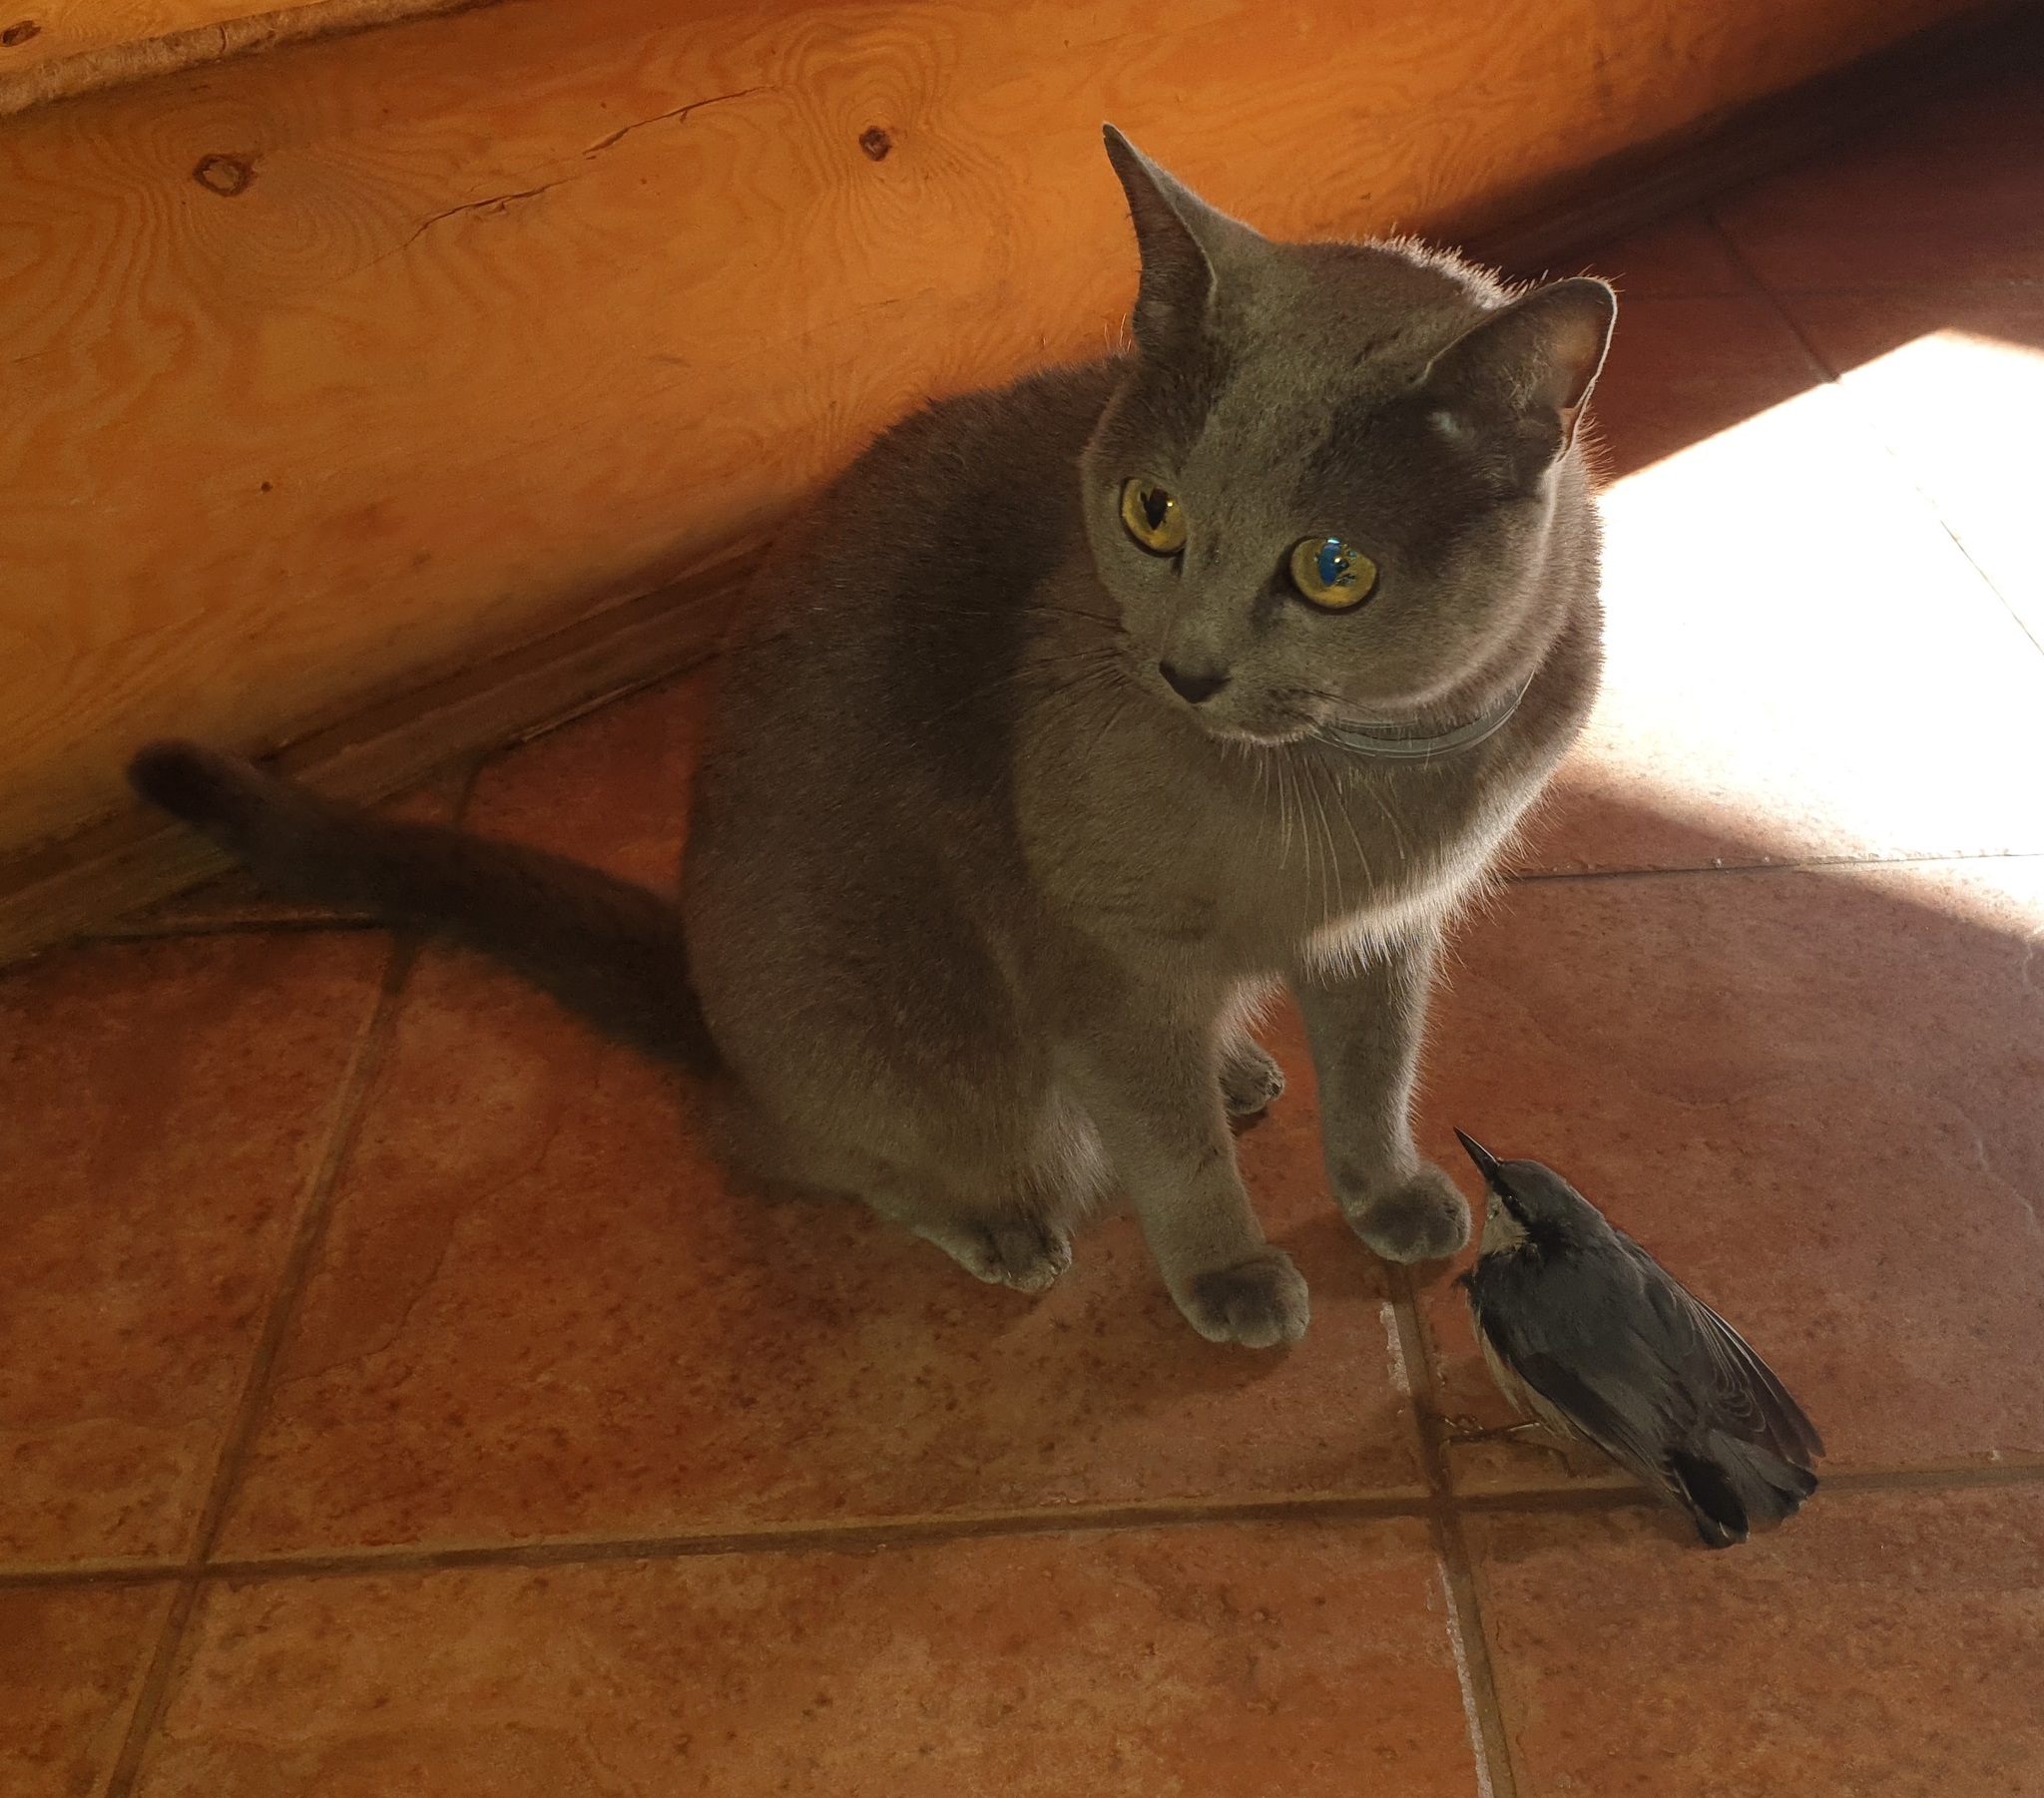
1109	661
1083	683
1348	818
1392	818
1113	718
1338	895
1042	609
1284	792
1341	893
1083	686
1306	842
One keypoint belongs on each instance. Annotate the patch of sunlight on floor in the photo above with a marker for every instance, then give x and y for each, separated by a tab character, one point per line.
1802	656
1961	412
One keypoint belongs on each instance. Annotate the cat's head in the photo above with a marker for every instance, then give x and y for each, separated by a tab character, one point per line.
1338	481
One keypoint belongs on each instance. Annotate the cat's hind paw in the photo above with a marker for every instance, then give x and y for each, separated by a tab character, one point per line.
1251	1079
1016	1252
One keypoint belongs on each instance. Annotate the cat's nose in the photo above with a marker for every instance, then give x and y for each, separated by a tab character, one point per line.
1194	690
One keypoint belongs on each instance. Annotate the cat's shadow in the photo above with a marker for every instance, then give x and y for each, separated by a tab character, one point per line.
1108	1331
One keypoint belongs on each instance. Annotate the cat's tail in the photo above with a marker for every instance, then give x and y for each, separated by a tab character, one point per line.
604	948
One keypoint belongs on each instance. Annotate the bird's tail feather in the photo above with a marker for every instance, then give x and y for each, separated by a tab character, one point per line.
605	948
1734	1485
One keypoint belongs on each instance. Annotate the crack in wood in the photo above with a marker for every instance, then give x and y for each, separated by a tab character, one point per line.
679	111
601	145
475	205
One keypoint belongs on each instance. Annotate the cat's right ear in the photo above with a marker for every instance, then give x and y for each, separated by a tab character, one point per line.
1185	244
1523	375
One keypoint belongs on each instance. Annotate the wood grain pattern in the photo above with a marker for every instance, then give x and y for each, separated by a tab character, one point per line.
333	370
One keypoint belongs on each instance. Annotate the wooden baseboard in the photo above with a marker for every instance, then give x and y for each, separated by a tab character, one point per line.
87	882
120	52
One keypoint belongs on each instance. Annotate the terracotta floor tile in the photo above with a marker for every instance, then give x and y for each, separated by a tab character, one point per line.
1800	663
1953	380
1880	1642
167	1104
1221	1661
1815	1097
1680	258
1953	194
72	1660
540	1311
610	788
1680	370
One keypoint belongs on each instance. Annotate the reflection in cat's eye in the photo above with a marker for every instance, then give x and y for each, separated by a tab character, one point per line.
1330	575
1153	519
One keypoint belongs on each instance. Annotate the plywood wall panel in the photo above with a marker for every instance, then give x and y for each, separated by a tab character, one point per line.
332	367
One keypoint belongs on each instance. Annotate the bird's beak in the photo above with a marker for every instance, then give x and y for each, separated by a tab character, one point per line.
1486	1163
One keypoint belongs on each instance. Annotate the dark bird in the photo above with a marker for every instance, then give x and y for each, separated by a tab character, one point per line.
1587	1333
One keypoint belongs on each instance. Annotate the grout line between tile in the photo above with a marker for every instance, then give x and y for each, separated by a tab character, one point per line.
1489	1740
1788	865
1869	423
150	1697
1573	1496
462	778
311	1231
857	1539
1472	1711
1876	291
313	1216
1932	1478
305	924
865	1536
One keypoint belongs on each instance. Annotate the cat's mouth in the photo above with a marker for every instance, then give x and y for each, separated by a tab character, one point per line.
1271	723
1275	720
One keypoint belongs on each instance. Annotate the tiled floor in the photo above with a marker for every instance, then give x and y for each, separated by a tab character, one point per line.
395	1399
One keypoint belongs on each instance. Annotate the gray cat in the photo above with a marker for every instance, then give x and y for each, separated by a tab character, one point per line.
1069	724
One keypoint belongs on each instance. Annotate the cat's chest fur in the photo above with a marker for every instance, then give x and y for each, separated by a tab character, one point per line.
1249	861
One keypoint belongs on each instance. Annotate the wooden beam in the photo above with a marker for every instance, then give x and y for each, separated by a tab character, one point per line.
57	49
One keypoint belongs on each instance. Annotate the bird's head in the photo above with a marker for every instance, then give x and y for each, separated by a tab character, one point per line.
1532	1208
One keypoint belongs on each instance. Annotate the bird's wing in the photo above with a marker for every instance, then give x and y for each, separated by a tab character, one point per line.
1733	1390
1601	1342
1557	1335
1594	1415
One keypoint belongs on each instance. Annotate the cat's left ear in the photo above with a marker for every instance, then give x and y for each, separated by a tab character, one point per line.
1185	247
1526	370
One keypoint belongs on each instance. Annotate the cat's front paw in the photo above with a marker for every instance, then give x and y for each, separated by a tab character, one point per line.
1421	1218
1259	1302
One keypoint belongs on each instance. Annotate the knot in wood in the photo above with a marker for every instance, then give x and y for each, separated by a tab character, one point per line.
223	175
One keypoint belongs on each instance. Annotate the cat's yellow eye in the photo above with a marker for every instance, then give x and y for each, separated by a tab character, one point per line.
1153	519
1330	575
